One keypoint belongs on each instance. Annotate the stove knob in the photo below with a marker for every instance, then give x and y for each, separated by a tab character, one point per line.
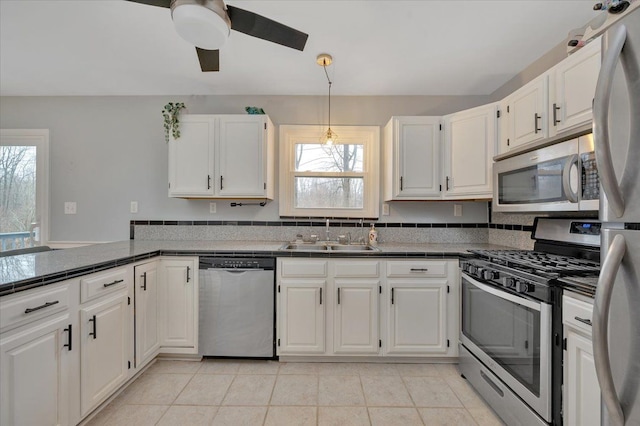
509	282
464	266
522	287
490	275
472	269
479	272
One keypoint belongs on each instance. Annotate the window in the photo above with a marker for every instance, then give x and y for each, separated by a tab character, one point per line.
339	180
24	206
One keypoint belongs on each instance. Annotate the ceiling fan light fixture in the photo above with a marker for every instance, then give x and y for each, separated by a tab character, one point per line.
200	24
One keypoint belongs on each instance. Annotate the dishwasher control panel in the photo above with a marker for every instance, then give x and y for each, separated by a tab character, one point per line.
237	263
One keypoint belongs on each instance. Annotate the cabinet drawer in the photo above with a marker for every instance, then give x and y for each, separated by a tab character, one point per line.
356	269
576	313
97	285
304	268
417	269
33	305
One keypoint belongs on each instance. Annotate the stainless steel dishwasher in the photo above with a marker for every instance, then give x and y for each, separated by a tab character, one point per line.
237	307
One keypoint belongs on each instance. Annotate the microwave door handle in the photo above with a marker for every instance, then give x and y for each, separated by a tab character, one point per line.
601	121
601	307
566	178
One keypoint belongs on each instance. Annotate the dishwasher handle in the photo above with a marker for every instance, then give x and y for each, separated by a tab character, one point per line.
235	270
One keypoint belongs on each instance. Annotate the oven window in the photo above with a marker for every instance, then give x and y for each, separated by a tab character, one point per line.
506	331
540	183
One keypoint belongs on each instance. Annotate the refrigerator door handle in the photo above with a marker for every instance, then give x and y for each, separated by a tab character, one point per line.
601	121
601	307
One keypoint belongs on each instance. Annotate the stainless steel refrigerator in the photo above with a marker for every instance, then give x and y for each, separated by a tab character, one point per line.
616	317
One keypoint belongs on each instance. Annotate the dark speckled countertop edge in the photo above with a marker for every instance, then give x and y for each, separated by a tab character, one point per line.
25	272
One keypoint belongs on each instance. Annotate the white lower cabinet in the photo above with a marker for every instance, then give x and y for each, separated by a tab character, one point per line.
178	305
104	349
581	390
356	316
301	312
417	317
35	368
348	305
146	306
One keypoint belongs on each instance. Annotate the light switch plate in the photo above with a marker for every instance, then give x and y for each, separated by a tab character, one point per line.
385	209
70	207
212	207
134	207
457	209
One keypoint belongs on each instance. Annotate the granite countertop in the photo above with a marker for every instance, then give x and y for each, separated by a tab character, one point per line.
27	271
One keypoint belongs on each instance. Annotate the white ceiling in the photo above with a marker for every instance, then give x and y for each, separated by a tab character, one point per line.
380	47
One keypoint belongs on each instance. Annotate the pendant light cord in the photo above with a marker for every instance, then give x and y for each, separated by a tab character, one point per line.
324	66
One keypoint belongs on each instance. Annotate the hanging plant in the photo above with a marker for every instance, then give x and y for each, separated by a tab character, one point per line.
170	114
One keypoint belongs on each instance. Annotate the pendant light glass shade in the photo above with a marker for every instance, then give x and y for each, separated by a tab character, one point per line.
329	137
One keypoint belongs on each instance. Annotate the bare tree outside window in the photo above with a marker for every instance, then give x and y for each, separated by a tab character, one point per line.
17	188
332	176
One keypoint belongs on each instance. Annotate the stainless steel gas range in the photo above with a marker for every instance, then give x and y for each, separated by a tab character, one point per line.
511	337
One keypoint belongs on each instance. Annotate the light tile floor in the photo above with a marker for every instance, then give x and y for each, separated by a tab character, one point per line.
220	392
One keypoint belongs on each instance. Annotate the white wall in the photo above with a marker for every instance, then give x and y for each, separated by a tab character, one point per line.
108	151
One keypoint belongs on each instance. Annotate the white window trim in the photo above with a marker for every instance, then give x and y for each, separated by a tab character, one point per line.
367	135
40	139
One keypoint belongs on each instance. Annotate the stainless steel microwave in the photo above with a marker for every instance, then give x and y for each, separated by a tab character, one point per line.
560	177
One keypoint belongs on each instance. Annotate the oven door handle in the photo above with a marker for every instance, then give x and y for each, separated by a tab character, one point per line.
503	294
601	307
571	195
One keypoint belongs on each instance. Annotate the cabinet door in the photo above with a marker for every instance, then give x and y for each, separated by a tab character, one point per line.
241	159
582	391
356	316
191	171
416	165
35	372
470	139
575	87
146	308
417	317
526	110
104	348
301	313
178	302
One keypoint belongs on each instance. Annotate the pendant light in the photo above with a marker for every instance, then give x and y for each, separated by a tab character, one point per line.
324	60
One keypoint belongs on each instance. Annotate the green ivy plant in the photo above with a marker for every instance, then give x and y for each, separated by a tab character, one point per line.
170	114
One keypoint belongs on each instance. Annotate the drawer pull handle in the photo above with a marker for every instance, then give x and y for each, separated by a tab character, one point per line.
321	295
112	283
583	320
144	281
535	123
338	295
392	296
68	344
37	308
188	274
492	384
419	269
95	327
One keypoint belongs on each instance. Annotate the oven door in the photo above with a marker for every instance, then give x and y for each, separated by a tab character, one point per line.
544	180
511	335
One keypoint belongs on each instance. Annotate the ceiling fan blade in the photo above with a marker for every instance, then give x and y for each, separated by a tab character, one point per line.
209	59
159	3
258	26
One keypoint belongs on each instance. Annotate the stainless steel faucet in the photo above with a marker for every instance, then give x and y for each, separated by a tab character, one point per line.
327	231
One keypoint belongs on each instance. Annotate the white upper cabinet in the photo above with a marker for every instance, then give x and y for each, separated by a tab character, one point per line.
469	147
575	81
527	113
222	156
191	157
412	153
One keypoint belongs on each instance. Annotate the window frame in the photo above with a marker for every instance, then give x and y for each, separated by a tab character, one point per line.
368	136
38	138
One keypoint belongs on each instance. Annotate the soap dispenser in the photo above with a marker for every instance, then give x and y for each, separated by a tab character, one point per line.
373	236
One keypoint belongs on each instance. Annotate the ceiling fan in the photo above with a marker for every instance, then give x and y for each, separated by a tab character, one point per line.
207	23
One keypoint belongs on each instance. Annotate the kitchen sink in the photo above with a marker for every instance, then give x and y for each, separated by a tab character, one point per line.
326	247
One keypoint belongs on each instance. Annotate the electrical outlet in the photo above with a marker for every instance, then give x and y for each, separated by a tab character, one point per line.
134	207
457	209
70	207
212	207
385	209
